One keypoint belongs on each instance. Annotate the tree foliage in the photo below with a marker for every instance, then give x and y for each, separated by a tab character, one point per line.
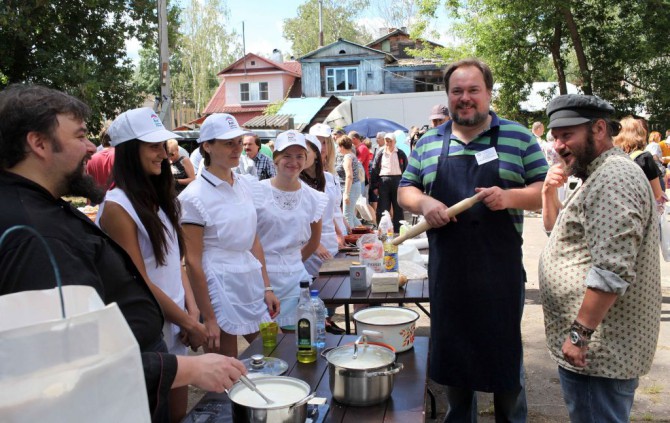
205	47
338	17
396	13
77	46
616	49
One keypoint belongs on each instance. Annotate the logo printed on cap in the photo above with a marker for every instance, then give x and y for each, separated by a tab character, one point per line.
156	120
290	136
231	122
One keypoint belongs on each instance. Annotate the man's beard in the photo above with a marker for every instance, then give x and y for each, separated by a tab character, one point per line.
475	120
582	159
79	184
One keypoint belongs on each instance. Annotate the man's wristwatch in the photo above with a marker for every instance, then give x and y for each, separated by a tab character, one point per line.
580	335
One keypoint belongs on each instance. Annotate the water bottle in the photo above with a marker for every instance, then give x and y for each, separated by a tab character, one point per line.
320	309
306	326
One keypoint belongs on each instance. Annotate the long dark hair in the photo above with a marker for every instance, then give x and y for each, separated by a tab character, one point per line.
318	182
147	193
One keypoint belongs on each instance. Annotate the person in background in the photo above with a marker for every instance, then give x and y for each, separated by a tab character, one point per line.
387	168
632	139
655	150
271	145
101	164
255	163
373	198
602	300
141	213
225	261
477	298
182	169
538	131
347	167
43	152
289	223
438	115
338	133
363	156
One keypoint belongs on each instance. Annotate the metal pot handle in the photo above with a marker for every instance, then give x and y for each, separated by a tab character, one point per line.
303	401
373	333
396	368
326	351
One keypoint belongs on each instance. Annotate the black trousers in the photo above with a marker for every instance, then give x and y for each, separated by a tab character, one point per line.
388	199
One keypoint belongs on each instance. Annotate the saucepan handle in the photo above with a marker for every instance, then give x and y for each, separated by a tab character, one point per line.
304	400
396	368
373	333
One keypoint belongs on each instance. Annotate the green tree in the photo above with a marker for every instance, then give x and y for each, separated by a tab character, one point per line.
618	47
77	46
338	17
205	47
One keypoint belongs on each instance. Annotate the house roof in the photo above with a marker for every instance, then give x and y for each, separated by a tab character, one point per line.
294	68
342	41
400	32
302	109
218	100
273	122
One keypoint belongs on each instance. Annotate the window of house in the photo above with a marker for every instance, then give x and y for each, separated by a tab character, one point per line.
254	91
342	79
428	84
386	45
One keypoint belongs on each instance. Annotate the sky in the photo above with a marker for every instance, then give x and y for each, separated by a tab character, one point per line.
263	21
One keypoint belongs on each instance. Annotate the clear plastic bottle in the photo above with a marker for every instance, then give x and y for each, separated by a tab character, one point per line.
320	309
306	326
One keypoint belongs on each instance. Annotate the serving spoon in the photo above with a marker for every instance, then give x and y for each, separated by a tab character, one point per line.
249	384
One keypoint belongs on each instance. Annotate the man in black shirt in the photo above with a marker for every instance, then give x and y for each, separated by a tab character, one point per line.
43	154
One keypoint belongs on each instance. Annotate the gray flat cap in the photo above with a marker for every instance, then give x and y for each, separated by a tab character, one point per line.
575	109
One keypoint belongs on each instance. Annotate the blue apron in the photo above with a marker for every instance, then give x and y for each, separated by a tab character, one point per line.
476	281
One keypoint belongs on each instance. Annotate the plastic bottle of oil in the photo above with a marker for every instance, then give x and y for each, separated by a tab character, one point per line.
306	326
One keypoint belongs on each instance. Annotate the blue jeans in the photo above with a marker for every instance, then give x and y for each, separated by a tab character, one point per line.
592	399
349	210
510	406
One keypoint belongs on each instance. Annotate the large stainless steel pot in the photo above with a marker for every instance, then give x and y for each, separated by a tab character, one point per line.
361	375
290	396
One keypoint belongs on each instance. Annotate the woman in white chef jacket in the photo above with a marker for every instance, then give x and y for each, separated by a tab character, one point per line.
224	258
289	223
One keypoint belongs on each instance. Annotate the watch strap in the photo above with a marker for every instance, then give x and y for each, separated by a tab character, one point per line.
582	330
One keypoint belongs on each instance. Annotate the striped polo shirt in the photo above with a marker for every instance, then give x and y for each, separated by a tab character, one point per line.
521	159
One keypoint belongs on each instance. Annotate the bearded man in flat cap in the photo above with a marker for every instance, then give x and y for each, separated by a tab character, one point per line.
600	271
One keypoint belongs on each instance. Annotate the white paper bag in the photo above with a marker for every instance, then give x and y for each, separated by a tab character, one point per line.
86	367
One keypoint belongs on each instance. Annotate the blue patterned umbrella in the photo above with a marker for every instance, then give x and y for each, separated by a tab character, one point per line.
369	127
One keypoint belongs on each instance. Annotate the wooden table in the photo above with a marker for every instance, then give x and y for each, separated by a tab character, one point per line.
335	290
406	404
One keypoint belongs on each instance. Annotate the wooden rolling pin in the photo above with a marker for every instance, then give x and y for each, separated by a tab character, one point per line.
423	226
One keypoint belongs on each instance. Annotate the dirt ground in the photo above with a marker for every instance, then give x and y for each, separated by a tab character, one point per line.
545	401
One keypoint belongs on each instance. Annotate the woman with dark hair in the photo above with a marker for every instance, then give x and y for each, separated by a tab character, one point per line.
224	257
141	213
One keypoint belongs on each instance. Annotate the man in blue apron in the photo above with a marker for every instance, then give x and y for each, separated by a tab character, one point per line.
475	270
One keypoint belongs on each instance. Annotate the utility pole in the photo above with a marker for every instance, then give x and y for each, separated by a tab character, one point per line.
320	23
164	61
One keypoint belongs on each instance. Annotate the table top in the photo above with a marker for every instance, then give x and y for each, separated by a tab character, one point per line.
405	405
336	289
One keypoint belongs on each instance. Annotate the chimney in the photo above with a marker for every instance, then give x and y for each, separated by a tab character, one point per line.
277	56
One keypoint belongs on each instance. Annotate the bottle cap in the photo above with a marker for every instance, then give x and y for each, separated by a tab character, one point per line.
314	292
304	284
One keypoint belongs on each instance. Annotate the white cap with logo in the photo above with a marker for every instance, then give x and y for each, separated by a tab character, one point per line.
320	130
221	126
142	124
314	140
289	138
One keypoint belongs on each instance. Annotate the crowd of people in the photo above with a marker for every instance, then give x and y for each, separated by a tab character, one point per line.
198	251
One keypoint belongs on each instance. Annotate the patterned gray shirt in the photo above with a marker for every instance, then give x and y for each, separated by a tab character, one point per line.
606	237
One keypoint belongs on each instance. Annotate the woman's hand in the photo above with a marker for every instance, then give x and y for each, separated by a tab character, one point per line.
345	198
322	253
272	302
196	335
213	334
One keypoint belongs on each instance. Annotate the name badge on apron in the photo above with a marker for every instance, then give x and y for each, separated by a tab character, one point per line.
486	156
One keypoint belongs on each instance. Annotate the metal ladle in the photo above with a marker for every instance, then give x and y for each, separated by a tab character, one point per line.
249	384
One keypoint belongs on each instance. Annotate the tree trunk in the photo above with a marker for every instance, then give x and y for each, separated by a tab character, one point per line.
555	48
587	87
